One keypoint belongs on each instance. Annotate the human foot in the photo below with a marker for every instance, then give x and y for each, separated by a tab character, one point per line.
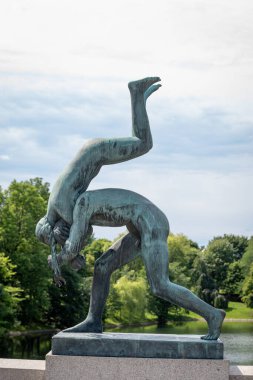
150	90
214	325
86	326
143	84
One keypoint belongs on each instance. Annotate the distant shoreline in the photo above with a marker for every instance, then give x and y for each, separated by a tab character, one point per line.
115	326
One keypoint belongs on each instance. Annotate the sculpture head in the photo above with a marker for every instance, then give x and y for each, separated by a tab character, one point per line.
44	231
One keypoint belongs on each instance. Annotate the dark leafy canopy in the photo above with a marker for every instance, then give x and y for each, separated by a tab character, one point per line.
247	259
9	295
247	268
22	205
220	254
239	244
69	304
247	288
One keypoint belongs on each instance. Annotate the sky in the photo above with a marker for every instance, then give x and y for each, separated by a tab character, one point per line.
64	69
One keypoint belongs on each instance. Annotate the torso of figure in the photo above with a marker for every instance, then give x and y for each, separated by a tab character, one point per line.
73	181
118	207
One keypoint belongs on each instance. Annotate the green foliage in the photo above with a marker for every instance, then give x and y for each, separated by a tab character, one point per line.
247	288
234	278
113	305
220	302
69	303
247	259
182	255
132	299
93	251
218	256
159	308
9	295
223	260
239	244
23	205
204	285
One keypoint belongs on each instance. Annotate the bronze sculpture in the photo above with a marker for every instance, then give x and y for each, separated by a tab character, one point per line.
72	211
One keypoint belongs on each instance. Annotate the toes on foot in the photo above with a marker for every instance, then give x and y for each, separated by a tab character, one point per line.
143	84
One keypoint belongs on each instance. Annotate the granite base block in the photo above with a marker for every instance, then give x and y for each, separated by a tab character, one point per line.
136	346
20	369
111	368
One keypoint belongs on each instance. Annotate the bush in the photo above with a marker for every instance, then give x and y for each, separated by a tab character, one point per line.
220	302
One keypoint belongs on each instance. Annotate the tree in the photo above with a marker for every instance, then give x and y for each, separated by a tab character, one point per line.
223	260
247	258
239	244
247	288
69	304
132	295
218	256
93	251
9	295
182	255
159	307
204	285
233	280
23	204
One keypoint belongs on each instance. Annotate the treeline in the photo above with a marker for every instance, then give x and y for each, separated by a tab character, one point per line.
220	272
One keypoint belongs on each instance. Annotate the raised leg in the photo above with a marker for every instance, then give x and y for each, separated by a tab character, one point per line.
120	253
140	90
123	149
155	256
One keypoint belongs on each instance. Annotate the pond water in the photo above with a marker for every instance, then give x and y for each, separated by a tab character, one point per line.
236	336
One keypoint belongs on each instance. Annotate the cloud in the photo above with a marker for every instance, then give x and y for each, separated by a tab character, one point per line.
64	80
4	157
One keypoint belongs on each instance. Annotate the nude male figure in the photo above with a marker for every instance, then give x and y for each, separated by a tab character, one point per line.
54	227
149	230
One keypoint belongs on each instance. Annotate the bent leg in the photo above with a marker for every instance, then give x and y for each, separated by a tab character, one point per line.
155	256
120	253
123	149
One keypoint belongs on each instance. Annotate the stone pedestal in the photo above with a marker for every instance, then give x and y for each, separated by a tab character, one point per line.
110	356
112	368
136	345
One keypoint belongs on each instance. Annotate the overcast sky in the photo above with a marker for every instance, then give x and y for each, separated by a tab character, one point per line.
64	69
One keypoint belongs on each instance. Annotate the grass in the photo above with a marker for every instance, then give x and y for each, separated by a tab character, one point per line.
236	310
239	310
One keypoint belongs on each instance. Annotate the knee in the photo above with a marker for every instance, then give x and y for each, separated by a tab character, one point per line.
156	288
161	288
146	144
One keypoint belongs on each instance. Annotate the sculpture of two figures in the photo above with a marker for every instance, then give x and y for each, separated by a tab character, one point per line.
72	211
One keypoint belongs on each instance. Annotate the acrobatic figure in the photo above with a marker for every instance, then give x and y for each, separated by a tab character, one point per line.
148	232
72	211
54	227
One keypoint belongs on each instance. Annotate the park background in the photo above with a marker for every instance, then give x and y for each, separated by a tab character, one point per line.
64	70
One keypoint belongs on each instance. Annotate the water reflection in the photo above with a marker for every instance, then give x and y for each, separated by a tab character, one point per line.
26	345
